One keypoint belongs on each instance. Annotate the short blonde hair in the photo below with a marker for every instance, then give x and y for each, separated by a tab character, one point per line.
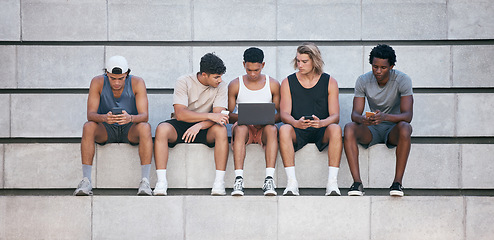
315	55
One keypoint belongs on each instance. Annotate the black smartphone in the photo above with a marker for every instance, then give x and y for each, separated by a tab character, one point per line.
309	118
116	110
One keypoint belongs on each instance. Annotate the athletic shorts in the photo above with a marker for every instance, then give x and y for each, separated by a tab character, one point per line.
255	134
181	127
380	134
118	133
309	135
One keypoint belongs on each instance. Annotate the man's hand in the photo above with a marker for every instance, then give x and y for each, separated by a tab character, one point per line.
302	123
219	118
316	123
120	119
374	119
191	133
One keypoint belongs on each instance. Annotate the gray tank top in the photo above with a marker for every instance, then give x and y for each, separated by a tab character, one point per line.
127	100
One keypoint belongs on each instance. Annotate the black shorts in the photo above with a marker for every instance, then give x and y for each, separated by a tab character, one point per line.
118	133
310	135
181	127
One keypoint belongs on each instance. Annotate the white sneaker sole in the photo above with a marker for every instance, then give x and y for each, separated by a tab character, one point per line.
355	193
333	193
159	193
291	193
395	193
218	193
237	193
270	193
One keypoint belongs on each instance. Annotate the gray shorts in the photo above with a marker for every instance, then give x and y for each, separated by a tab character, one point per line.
380	134
118	133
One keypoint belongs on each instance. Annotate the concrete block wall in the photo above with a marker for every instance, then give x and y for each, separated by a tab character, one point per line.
250	217
50	50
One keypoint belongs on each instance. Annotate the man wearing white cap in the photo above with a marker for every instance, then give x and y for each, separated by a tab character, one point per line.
117	112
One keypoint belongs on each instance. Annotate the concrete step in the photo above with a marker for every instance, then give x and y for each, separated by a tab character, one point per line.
249	217
191	166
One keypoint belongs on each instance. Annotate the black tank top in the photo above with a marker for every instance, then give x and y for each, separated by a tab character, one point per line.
308	101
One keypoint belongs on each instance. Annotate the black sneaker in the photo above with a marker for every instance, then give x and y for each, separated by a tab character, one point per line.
396	190
269	187
357	189
238	187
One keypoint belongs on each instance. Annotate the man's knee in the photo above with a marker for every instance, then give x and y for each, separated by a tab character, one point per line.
286	131
144	129
350	129
164	130
219	131
334	131
405	129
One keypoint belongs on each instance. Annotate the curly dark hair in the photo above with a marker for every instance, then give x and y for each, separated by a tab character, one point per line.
383	51
254	55
212	64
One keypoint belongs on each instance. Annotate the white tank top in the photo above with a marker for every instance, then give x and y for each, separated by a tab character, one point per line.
246	95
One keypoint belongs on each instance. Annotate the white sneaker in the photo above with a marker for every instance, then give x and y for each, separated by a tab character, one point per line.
144	188
291	188
332	188
84	188
160	189
218	189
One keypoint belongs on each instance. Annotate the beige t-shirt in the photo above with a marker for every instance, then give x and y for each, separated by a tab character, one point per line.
197	97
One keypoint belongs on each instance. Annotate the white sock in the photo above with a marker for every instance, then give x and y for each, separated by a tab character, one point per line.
239	172
269	172
86	171
333	173
145	170
220	176
161	173
290	173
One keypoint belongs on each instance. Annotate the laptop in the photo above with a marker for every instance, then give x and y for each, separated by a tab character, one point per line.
256	113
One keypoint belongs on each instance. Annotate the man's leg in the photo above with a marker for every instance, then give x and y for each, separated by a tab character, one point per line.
165	133
219	135
270	140
91	132
400	136
141	133
332	135
287	138
241	136
354	133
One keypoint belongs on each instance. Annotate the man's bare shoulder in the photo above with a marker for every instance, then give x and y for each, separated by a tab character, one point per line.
273	81
97	81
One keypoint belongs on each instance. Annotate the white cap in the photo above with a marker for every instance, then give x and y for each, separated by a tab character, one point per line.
117	65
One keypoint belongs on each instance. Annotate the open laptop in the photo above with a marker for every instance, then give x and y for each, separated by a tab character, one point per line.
256	113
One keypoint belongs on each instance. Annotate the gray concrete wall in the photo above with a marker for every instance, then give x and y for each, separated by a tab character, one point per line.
252	217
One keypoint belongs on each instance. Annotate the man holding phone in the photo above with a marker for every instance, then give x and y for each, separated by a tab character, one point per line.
117	112
199	102
310	108
390	97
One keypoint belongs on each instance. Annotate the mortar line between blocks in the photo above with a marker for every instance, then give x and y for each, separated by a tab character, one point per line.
465	212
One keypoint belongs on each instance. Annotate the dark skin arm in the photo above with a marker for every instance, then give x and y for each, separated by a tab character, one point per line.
406	108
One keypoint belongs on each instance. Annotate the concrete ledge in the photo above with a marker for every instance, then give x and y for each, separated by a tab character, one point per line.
191	166
250	217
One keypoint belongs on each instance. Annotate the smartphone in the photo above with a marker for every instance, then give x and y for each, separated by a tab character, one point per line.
369	114
116	110
308	117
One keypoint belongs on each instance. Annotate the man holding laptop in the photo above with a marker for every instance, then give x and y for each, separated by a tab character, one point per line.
261	92
310	108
